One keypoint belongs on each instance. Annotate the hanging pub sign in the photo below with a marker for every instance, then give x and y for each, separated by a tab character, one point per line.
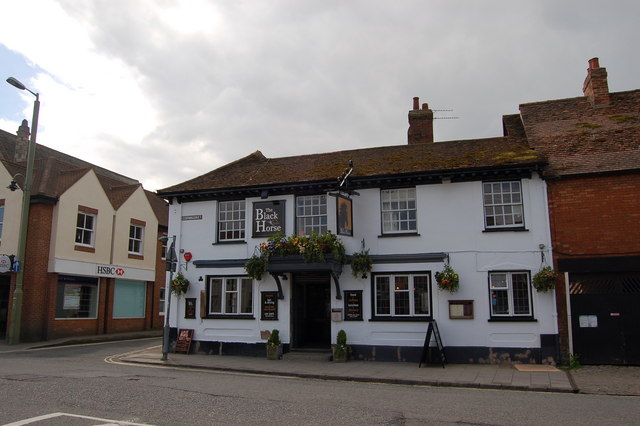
268	218
345	215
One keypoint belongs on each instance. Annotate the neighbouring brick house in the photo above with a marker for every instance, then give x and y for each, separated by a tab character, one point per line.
93	261
593	179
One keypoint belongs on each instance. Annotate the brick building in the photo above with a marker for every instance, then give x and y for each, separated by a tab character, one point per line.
593	178
93	261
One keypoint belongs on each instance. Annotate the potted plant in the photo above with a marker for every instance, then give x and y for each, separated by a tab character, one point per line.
545	279
179	285
448	279
361	264
256	266
341	351
274	345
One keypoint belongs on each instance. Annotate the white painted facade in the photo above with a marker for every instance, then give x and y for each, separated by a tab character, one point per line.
450	220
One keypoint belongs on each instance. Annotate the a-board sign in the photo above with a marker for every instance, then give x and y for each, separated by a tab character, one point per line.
183	344
432	330
190	307
353	305
269	304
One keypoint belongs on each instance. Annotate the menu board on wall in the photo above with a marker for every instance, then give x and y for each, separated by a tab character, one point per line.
269	305
190	307
353	305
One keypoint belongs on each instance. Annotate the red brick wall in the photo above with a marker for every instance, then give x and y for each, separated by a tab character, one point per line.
590	217
35	303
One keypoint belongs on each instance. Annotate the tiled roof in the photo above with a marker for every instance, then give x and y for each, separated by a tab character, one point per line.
579	138
429	158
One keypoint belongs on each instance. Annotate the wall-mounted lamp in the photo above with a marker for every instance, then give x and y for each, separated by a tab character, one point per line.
264	194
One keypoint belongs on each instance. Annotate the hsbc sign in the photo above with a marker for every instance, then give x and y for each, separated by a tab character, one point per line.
111	271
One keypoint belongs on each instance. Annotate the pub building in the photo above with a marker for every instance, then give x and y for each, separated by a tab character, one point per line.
477	206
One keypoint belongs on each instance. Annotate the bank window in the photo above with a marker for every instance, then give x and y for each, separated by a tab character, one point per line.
129	299
399	213
76	297
510	294
1	217
231	220
503	204
230	296
311	214
136	237
85	228
402	295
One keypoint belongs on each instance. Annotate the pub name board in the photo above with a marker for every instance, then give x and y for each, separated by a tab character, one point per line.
268	218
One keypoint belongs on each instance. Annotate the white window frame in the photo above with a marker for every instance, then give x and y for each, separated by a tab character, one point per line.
232	219
399	209
503	204
496	284
135	239
226	293
393	292
161	300
311	214
84	229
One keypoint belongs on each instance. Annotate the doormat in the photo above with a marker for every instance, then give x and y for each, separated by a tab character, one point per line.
535	367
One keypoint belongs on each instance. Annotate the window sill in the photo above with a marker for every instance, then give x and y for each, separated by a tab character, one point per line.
136	256
399	234
512	319
514	229
84	249
229	242
401	319
230	317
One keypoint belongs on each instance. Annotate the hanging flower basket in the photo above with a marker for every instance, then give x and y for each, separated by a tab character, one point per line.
361	264
179	285
545	279
448	279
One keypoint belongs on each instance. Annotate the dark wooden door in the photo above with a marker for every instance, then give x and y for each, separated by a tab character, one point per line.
311	319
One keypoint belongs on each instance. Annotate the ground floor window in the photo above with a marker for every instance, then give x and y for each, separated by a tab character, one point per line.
77	297
510	294
129	299
230	295
402	295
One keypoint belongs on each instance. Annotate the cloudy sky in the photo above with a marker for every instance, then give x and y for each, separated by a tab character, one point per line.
166	90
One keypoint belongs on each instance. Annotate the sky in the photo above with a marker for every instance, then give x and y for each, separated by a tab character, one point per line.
163	91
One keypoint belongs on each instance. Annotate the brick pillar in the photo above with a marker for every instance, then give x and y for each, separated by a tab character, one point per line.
595	86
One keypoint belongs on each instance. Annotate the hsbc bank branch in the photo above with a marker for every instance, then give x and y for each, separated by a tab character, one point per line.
95	298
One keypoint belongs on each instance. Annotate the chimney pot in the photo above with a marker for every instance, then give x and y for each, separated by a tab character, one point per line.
416	103
594	63
425	106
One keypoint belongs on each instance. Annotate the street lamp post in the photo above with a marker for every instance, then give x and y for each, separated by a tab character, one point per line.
16	307
172	260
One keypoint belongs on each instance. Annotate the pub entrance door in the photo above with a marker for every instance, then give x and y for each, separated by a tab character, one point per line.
311	306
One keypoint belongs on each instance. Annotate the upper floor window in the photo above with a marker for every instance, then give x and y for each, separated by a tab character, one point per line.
503	204
163	247
311	214
231	220
136	237
399	214
510	294
402	295
1	217
230	295
85	226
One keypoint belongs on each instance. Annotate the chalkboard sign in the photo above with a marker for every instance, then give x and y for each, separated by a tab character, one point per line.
269	306
189	307
432	329
353	305
183	344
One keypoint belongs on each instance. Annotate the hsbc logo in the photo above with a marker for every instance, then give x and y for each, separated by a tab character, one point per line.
109	271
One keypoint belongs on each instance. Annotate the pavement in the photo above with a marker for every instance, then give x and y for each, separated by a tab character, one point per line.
603	380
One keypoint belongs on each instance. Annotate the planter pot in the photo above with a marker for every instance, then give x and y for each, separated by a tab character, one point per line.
274	352
340	356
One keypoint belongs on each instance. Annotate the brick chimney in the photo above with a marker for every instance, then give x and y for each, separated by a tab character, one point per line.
595	86
420	123
22	144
